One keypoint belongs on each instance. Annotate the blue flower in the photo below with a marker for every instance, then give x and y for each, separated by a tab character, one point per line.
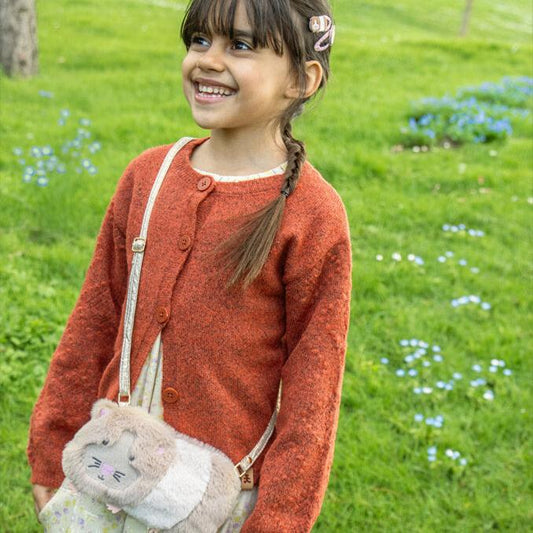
507	372
419	417
384	361
438	358
400	372
412	372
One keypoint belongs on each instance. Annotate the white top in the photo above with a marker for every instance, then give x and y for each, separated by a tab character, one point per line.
266	174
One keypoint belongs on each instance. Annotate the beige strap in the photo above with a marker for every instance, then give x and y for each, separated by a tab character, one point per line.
245	464
138	247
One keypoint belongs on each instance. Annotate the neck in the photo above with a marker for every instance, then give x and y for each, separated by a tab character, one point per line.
240	153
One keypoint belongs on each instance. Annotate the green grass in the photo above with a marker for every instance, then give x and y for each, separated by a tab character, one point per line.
118	64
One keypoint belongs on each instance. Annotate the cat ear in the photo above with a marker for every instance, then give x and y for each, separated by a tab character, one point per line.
102	408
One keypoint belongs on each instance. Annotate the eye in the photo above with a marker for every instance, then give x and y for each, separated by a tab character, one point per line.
105	442
199	41
238	44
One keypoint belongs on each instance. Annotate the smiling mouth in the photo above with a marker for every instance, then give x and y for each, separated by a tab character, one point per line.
212	91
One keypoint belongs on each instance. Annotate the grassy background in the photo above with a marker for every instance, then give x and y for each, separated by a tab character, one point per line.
118	64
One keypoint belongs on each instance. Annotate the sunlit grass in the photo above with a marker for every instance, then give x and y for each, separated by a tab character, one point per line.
117	63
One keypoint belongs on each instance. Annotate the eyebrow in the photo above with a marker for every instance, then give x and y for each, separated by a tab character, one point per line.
243	34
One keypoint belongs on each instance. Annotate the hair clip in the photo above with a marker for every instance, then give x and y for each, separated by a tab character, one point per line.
323	24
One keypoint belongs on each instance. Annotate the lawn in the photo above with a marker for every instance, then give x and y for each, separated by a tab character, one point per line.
436	428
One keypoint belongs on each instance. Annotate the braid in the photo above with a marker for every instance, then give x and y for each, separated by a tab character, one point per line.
295	160
246	251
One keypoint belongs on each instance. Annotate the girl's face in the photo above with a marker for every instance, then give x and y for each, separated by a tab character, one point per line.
231	85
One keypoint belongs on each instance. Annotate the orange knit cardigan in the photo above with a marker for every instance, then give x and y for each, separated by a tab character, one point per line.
224	352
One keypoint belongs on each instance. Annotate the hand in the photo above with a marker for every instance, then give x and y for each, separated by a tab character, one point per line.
41	496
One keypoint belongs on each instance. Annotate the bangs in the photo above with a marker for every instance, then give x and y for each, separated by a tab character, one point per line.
270	21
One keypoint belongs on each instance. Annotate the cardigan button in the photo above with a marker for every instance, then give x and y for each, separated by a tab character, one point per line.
204	183
162	315
169	395
184	242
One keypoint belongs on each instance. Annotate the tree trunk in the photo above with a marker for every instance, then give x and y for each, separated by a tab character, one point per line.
466	18
18	37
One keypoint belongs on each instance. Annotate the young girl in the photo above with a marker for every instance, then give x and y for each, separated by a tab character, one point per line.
246	280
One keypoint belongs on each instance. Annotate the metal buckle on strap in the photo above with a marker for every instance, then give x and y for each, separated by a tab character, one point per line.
240	470
139	244
123	399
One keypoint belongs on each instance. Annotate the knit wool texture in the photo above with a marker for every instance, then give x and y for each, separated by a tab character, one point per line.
224	351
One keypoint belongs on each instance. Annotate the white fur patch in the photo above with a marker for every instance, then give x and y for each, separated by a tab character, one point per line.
179	492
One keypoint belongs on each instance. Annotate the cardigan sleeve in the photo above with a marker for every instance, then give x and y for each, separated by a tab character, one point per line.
85	347
296	468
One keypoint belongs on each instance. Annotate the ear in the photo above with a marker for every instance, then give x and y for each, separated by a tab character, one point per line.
102	408
313	77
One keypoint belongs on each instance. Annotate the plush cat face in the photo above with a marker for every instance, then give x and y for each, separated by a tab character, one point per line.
120	455
112	464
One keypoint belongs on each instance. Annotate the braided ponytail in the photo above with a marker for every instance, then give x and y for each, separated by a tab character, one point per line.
246	251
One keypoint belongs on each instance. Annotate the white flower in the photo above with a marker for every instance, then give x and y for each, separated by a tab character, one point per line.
488	395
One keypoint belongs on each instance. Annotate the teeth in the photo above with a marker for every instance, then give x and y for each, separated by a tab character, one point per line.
209	89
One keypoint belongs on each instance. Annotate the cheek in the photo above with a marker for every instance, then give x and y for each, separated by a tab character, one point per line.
187	67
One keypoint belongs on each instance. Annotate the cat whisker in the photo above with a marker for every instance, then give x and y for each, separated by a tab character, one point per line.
117	475
97	463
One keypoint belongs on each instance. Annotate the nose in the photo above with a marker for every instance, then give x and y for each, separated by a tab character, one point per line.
212	59
107	469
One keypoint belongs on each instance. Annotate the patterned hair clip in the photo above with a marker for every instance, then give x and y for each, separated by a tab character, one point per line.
323	24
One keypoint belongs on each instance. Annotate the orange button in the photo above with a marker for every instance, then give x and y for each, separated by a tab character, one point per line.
169	395
162	315
204	183
184	242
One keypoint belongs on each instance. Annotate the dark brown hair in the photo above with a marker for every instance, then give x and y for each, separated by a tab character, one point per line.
283	26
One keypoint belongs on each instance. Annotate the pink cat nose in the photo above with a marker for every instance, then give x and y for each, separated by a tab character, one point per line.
107	469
